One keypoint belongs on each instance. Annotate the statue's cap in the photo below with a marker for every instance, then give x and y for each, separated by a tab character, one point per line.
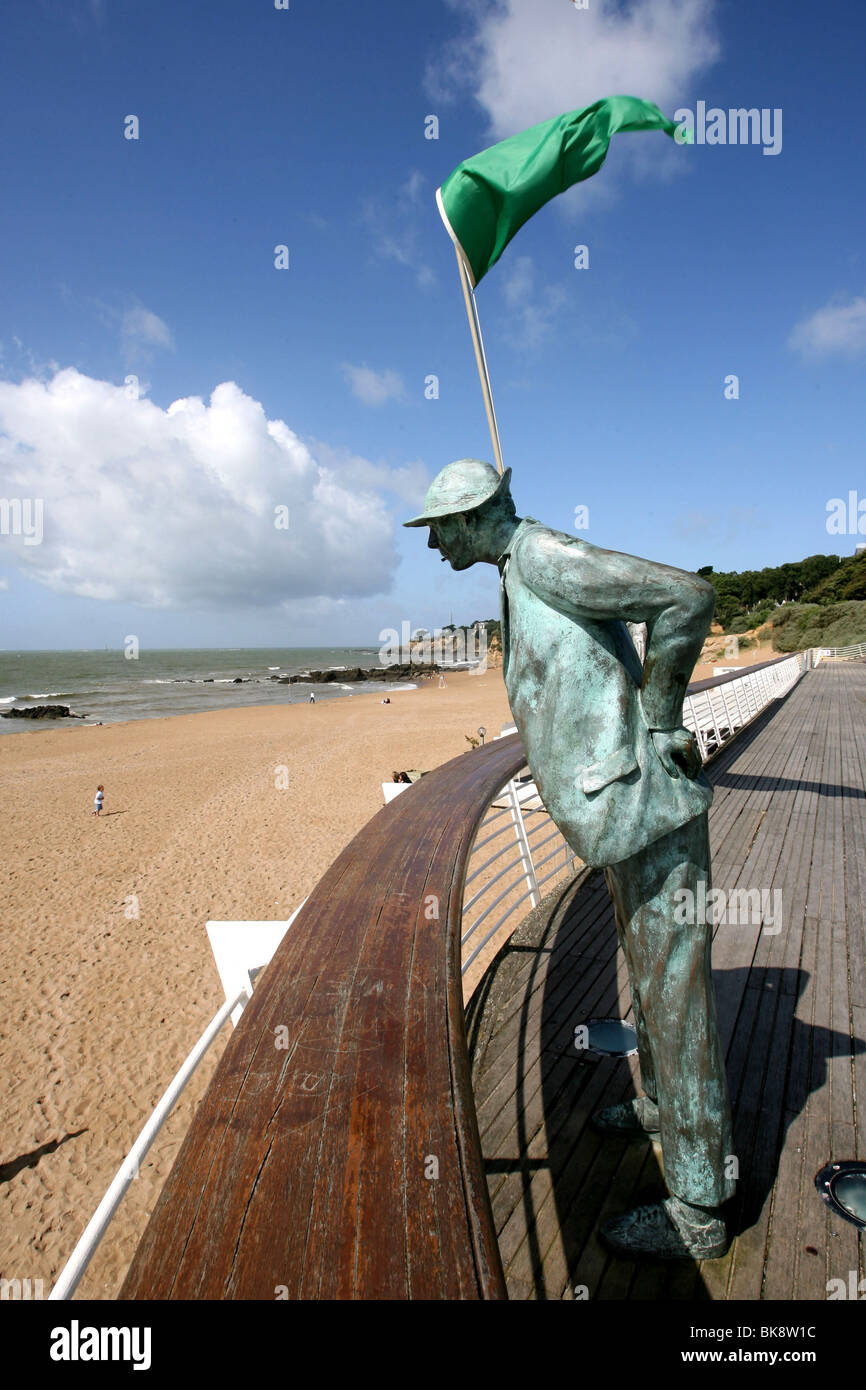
461	487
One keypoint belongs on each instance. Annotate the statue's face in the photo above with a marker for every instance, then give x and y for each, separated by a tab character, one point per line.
451	536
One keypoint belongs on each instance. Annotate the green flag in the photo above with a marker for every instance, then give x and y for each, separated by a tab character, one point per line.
487	199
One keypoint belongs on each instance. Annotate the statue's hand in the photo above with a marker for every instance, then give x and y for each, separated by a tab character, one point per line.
678	751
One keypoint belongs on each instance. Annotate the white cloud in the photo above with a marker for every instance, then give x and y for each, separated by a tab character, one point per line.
519	281
533	311
141	327
412	189
836	328
374	388
34	365
175	508
395	225
525	61
531	59
140	330
408	481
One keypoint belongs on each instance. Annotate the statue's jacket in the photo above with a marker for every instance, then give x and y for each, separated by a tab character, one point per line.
574	680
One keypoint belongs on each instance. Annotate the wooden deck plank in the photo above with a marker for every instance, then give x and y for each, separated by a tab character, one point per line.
763	1109
602	996
596	987
786	818
784	1246
783	868
859	1031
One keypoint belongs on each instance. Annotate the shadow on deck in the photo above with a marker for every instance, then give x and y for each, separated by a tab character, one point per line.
789	815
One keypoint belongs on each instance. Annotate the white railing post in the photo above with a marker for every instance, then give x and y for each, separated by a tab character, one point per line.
523	842
696	727
715	723
766	688
723	692
737	689
73	1270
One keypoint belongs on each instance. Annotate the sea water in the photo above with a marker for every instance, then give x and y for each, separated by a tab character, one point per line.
105	685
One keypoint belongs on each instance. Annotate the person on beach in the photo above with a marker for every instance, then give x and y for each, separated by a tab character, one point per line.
312	697
100	797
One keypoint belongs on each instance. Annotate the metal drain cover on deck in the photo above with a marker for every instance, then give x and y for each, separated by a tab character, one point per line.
843	1187
605	1037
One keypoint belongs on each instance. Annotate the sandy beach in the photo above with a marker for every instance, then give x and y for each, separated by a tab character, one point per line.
718	652
101	1005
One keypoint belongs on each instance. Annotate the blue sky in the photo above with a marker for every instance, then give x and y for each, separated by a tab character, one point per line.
304	388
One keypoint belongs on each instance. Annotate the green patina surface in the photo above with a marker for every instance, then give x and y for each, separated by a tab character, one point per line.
620	776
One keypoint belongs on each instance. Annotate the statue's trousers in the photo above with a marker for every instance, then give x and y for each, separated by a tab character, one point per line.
681	1061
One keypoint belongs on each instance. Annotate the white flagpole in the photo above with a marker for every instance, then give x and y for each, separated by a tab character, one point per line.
480	358
467	284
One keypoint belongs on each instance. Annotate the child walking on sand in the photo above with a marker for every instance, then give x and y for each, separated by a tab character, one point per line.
100	795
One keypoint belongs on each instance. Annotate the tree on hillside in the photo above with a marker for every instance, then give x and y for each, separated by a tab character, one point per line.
742	594
847	581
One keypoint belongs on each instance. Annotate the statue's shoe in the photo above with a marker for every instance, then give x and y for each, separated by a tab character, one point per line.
632	1119
666	1230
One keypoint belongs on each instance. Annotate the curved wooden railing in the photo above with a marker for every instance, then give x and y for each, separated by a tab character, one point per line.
335	1153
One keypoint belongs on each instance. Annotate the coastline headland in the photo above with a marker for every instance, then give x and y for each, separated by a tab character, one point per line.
355	674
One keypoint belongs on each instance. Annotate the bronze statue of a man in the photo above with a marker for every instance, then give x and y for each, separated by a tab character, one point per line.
621	778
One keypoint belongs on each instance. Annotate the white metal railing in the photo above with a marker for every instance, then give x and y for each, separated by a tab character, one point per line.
717	712
73	1271
855	653
517	855
241	950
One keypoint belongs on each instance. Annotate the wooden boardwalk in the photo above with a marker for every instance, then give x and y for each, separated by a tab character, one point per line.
789	815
